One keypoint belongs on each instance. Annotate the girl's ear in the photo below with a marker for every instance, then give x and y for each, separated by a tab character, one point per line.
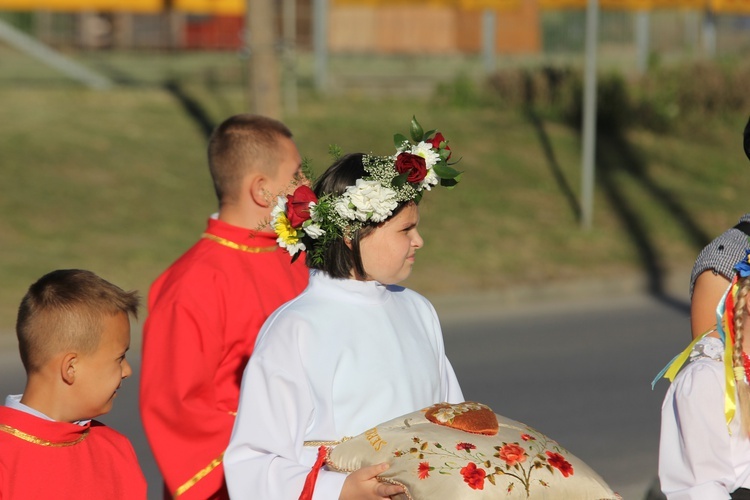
68	368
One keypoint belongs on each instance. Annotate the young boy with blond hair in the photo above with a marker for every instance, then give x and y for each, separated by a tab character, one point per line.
73	331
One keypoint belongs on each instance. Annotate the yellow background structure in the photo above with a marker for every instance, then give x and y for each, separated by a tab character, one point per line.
237	7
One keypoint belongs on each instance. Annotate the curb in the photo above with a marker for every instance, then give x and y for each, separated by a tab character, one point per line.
517	300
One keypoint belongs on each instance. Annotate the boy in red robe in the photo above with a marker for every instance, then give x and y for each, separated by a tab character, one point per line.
73	332
205	311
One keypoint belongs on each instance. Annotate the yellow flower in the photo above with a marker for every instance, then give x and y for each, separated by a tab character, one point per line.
285	231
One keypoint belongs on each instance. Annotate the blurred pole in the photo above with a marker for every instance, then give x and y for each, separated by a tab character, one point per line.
30	46
320	43
290	56
642	40
489	38
589	115
709	33
691	22
264	91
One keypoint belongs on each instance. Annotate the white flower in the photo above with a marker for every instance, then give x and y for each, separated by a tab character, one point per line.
280	208
424	150
292	248
431	179
367	200
313	230
344	210
445	415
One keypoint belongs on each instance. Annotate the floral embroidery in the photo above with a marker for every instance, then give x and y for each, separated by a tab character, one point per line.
424	470
447	414
523	463
473	476
558	462
512	454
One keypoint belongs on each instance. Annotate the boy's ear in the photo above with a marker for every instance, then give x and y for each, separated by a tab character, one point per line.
68	368
256	184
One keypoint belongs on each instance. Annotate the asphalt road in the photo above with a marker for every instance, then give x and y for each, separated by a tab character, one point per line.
577	370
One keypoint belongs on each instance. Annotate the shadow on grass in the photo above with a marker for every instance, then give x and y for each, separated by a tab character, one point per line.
616	157
552	162
192	107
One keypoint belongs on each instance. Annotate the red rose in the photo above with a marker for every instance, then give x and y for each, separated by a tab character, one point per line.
473	476
558	462
512	454
465	446
424	470
298	205
413	164
435	141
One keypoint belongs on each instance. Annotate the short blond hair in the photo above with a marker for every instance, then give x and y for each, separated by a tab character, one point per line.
63	310
242	144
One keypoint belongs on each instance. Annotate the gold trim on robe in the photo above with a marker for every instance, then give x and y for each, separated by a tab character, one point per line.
237	246
200	475
41	442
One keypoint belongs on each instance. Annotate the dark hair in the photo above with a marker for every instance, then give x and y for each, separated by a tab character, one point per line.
240	144
338	260
64	310
747	139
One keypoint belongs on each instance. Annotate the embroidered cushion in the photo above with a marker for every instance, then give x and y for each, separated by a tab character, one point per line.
450	452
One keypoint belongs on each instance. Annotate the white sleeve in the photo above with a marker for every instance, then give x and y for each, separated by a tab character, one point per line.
455	394
264	458
452	389
695	459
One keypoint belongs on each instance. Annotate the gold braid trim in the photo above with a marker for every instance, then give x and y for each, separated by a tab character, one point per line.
41	442
200	475
237	246
326	443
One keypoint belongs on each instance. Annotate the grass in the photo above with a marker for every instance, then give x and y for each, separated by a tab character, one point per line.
117	182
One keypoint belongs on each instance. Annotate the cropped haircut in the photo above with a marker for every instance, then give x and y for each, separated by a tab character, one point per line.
242	144
340	261
64	310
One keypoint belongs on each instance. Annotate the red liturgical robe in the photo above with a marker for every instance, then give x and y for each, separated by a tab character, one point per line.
44	459
205	312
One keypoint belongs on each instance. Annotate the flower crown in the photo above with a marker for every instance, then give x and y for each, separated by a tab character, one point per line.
301	218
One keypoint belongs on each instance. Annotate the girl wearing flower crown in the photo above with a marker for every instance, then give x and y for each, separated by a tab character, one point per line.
704	450
354	349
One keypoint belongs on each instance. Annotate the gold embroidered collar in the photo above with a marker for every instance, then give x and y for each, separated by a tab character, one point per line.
41	442
237	246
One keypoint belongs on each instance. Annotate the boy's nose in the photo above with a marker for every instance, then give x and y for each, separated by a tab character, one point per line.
126	369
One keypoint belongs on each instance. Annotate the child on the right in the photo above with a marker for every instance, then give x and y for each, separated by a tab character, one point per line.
713	271
704	449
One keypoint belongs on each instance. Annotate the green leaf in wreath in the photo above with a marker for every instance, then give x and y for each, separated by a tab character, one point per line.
399	140
446	172
416	131
449	183
400	180
429	134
